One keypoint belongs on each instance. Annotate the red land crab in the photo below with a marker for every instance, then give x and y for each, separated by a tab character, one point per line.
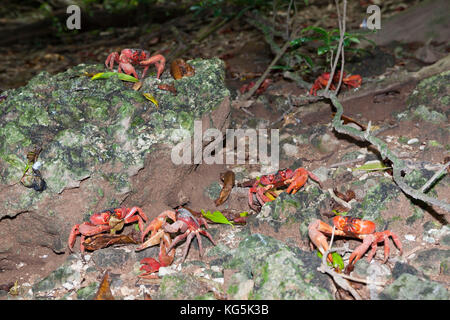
264	85
356	228
157	235
285	177
109	220
128	57
151	265
189	226
322	81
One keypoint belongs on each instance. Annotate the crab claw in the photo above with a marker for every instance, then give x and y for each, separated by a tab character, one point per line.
166	256
157	223
299	179
72	237
150	265
353	81
318	238
158	60
113	57
153	240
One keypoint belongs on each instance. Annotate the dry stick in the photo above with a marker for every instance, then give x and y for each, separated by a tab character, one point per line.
341	41
341	38
213	27
398	165
434	177
247	95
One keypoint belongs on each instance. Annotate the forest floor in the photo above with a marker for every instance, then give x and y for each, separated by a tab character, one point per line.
247	55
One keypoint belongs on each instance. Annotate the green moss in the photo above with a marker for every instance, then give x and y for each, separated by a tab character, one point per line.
232	289
88	292
417	215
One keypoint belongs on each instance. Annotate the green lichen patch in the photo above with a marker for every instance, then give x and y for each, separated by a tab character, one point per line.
269	269
429	100
85	126
375	200
302	207
411	287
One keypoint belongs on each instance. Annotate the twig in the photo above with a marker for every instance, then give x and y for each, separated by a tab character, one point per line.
343	163
341	41
434	177
398	165
247	95
339	200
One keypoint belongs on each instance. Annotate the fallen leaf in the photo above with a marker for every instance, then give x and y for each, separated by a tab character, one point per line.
338	262
137	86
180	68
346	120
103	240
167	87
235	216
121	76
372	166
216	216
104	291
148	96
228	178
14	290
349	195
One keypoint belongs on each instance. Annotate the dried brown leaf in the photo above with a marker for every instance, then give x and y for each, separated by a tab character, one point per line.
103	240
104	291
228	184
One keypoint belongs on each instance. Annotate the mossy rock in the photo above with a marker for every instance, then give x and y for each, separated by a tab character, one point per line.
430	99
412	287
269	269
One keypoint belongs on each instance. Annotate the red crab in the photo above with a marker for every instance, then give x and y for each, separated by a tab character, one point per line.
189	226
158	235
151	265
356	228
109	220
264	85
128	57
322	81
285	177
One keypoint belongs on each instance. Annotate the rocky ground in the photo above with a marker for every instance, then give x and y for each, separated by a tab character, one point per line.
104	145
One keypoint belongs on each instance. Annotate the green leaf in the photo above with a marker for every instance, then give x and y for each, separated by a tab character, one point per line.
338	262
322	49
281	68
243	214
216	216
339	213
121	76
301	40
372	166
320	30
148	96
307	58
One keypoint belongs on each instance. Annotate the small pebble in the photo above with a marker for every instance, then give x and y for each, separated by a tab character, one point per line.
412	141
410	237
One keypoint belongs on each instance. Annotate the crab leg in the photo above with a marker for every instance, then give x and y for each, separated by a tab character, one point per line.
360	250
188	242
207	234
318	238
113	57
158	60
